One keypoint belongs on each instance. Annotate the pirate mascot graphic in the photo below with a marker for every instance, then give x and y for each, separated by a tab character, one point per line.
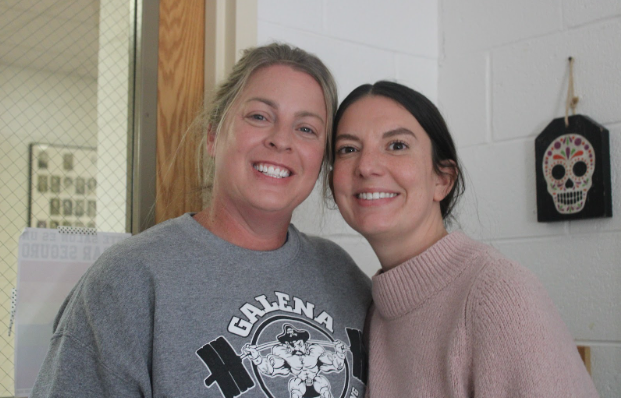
304	360
295	354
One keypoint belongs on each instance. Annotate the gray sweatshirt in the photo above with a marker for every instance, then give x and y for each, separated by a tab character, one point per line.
178	312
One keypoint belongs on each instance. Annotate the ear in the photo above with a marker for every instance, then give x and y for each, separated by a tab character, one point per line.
445	180
211	141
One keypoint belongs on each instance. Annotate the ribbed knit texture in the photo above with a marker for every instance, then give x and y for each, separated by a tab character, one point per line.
460	320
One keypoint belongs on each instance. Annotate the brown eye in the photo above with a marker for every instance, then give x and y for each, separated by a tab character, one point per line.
346	149
397	146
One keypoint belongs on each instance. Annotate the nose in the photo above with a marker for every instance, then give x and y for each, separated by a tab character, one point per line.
280	138
569	183
369	164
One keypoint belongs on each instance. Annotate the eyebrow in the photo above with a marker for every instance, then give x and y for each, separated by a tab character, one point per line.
346	137
274	105
398	131
388	134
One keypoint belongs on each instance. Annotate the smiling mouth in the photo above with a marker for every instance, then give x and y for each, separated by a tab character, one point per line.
375	195
271	171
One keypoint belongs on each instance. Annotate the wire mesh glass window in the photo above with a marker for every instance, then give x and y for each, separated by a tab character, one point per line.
65	89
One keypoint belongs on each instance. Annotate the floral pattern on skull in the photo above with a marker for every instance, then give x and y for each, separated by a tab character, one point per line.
568	165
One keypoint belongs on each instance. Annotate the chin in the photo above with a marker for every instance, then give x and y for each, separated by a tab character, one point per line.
274	204
369	229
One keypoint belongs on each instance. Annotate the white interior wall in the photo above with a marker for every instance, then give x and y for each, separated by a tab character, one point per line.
503	77
112	114
498	72
352	39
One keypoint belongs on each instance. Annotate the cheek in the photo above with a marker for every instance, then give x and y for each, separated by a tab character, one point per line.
340	178
313	157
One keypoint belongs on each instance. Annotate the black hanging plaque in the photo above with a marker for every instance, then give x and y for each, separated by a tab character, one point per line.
573	170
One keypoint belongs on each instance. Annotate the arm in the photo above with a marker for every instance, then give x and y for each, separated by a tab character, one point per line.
71	370
102	338
333	361
520	345
271	364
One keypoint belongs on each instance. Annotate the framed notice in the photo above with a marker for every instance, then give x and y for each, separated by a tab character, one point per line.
63	186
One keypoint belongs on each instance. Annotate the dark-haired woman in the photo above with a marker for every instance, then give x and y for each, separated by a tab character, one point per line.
451	317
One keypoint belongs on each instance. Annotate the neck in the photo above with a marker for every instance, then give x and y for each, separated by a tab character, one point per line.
252	230
393	250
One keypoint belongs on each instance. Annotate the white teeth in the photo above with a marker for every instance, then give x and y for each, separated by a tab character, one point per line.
271	171
375	195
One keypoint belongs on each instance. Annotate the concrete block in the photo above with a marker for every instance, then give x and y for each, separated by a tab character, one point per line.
360	250
472	26
579	12
304	15
500	200
409	27
421	74
581	274
351	64
529	79
605	365
463	91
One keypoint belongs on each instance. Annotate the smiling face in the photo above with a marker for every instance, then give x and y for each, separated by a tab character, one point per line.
383	178
271	149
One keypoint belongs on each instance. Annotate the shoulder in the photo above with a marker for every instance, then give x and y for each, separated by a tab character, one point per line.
124	276
160	238
329	254
518	339
505	295
500	277
147	250
312	242
321	247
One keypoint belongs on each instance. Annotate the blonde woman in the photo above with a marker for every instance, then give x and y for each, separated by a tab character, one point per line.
234	299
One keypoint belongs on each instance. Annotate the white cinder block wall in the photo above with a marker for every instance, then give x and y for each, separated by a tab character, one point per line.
498	71
361	41
503	76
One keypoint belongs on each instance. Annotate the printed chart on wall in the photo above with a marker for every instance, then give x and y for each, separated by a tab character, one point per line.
63	186
50	263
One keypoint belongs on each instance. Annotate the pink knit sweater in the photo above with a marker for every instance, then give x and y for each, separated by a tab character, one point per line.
461	320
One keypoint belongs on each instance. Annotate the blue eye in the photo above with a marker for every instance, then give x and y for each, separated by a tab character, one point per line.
307	130
257	117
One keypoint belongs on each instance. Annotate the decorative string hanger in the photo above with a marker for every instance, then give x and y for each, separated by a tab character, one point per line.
572	165
572	100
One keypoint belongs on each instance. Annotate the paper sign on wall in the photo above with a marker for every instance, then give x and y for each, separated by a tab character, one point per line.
50	263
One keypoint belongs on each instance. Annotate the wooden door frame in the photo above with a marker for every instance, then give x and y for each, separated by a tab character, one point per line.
190	62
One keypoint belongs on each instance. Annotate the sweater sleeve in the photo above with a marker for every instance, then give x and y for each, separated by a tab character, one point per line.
520	345
102	338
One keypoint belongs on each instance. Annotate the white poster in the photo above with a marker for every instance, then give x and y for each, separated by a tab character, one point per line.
50	263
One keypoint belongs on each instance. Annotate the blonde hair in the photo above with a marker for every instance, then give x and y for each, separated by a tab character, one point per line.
253	59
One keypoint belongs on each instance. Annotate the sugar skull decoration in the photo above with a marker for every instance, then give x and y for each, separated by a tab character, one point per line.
568	166
573	170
